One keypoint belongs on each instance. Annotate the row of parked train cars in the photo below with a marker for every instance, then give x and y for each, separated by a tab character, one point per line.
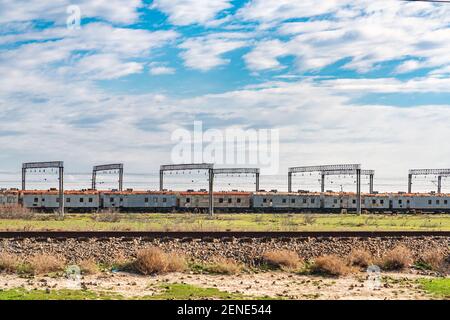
234	201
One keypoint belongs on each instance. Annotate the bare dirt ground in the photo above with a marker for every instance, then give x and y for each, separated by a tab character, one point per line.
278	285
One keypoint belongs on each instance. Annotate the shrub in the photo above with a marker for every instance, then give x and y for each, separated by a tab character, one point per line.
360	257
8	262
15	211
433	259
224	266
88	266
44	263
397	258
282	259
330	265
154	260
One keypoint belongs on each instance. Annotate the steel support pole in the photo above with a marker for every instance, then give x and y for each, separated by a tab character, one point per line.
94	178
322	183
120	179
257	181
161	180
24	173
439	184
371	184
409	182
289	181
358	191
210	194
61	192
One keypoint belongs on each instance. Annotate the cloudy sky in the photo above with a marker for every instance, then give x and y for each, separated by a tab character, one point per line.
342	80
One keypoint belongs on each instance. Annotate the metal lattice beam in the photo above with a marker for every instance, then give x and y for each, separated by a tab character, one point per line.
254	171
347	172
187	166
191	166
106	167
45	165
325	168
424	172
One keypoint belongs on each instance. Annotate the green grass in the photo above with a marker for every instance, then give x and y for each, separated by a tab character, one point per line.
235	222
439	287
174	291
64	294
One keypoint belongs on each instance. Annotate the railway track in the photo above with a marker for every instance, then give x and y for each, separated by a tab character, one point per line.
218	234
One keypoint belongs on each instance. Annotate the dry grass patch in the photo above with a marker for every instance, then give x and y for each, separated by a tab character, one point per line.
109	215
397	258
433	259
224	266
44	263
15	211
283	259
88	266
9	262
360	258
330	265
154	260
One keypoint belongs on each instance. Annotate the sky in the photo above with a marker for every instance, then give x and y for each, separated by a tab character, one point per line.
343	81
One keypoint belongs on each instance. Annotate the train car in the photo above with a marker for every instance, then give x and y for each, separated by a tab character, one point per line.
48	200
376	202
9	197
224	201
139	201
429	202
286	201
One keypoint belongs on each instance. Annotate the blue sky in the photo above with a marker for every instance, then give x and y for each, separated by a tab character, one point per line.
343	81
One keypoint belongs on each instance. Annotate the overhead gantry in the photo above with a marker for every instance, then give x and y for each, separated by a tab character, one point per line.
369	173
107	167
191	166
425	172
254	171
331	169
44	165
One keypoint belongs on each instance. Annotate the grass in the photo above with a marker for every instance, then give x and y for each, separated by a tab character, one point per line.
283	259
236	222
63	294
330	265
153	260
439	287
174	291
397	258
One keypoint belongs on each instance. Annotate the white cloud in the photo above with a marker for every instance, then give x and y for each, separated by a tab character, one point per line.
159	70
118	11
186	12
205	53
106	66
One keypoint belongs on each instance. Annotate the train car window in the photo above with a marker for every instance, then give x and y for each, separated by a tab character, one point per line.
81	200
445	201
220	200
43	199
121	199
374	201
382	201
67	199
284	200
335	201
188	200
229	200
146	200
429	201
111	199
57	200
91	200
407	201
164	200
313	200
437	201
292	200
264	200
304	200
400	201
238	200
353	201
